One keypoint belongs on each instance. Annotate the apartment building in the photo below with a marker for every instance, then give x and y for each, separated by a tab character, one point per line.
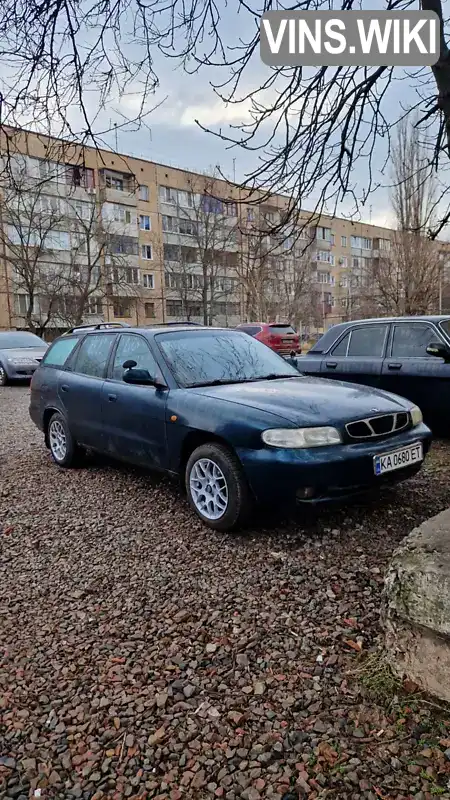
114	237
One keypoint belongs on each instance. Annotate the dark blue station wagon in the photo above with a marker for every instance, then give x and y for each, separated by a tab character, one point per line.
221	410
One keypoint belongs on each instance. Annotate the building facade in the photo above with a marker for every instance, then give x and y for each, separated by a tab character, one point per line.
91	235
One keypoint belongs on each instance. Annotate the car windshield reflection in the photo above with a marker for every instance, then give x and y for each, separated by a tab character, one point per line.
213	358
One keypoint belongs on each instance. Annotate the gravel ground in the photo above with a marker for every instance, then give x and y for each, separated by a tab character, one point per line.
143	656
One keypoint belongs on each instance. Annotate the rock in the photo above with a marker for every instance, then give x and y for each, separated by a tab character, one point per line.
320	726
416	607
10	763
250	794
189	690
242	659
259	688
161	699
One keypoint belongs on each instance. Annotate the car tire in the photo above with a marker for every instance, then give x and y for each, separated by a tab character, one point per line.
3	376
63	447
216	469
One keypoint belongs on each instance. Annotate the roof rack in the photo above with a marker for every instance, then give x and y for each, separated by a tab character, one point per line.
99	326
165	324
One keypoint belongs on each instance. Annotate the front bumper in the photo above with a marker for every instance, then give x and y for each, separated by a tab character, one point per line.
333	472
20	372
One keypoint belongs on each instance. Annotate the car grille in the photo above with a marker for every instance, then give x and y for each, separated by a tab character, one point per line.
378	426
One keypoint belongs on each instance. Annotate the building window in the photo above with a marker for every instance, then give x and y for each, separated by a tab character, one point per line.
94	306
187	227
385	244
149	310
171	252
144	222
127	245
326	256
143	192
57	240
231	209
174	308
121	213
325	234
146	252
361	242
250	215
122	308
125	275
114	182
211	205
148	280
186	199
343	261
169	224
167	195
21	304
343	241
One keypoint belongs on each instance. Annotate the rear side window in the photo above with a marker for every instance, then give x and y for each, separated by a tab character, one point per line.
59	352
92	357
341	348
368	341
411	340
281	330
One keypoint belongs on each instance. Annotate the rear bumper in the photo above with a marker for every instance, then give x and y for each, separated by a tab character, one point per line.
334	472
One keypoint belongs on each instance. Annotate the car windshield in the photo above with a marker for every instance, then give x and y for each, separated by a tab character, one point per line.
205	358
17	339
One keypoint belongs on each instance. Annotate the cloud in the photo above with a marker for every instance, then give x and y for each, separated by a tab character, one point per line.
218	113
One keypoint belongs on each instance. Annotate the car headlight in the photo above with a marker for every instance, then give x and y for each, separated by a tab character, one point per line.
301	437
416	416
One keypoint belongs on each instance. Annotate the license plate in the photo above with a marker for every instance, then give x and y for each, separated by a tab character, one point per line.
398	458
287	341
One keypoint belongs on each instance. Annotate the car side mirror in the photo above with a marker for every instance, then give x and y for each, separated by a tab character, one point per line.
139	377
129	364
439	350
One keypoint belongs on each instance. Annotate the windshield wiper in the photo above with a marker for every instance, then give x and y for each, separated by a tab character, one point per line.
217	382
274	376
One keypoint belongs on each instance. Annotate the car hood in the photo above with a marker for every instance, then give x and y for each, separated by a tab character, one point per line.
24	352
309	401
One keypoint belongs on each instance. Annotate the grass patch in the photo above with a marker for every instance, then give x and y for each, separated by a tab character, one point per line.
378	679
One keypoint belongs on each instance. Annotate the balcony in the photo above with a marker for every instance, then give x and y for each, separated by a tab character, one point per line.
117	187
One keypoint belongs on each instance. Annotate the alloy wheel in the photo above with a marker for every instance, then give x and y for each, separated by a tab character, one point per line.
209	490
57	439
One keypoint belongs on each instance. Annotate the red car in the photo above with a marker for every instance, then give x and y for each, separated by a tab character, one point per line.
279	336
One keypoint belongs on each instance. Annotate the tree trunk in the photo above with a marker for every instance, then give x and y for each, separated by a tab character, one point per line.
205	295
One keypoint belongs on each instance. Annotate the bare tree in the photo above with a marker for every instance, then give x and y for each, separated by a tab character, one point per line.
310	127
205	229
99	265
32	236
405	275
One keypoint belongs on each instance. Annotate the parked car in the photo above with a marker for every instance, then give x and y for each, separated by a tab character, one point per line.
409	356
20	354
216	407
279	336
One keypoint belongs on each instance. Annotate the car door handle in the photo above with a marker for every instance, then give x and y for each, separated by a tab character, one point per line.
331	364
64	387
394	366
112	398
